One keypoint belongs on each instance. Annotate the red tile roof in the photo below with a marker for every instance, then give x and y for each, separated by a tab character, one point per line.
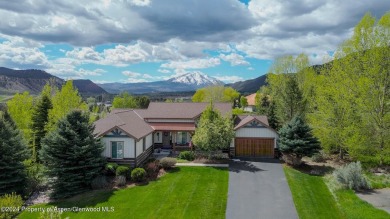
251	99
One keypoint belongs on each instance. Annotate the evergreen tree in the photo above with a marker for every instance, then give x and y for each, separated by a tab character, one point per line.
273	120
40	119
13	151
72	155
296	140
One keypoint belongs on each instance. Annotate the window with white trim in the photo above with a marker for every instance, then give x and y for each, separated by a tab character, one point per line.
117	149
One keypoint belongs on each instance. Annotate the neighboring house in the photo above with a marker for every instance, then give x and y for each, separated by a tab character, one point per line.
130	136
251	99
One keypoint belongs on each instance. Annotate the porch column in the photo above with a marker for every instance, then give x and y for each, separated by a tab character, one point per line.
174	140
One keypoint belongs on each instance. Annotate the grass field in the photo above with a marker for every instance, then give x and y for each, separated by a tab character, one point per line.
313	199
188	192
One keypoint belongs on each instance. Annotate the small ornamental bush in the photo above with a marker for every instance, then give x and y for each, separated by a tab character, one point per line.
12	201
150	160
187	155
152	168
351	176
110	168
120	180
138	174
99	182
168	162
318	158
123	171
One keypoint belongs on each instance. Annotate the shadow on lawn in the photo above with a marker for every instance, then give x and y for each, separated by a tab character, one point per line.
315	170
87	199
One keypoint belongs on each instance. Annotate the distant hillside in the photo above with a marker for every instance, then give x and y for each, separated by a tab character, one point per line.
33	80
87	87
249	86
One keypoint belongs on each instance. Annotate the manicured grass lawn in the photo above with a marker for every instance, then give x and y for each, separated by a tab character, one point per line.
188	192
311	196
313	199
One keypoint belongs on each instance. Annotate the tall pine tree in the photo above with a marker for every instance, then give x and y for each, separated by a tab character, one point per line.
296	140
13	151
72	155
40	119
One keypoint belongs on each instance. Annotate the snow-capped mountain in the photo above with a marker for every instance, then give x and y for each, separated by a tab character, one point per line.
196	78
187	82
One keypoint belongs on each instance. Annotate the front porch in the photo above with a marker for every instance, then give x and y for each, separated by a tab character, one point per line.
172	140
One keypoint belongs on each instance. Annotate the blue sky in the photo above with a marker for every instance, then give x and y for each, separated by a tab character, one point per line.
150	40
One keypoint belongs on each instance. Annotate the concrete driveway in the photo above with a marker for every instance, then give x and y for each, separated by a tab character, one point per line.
258	188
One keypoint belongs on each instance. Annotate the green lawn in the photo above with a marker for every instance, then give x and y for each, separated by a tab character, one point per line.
189	192
313	199
311	196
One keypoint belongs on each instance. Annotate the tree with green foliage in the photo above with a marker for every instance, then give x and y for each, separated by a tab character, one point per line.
65	101
291	86
296	140
262	101
354	114
72	155
214	132
124	100
20	107
216	94
243	102
13	151
273	120
40	118
142	102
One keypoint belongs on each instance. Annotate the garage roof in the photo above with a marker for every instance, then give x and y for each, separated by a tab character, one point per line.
242	120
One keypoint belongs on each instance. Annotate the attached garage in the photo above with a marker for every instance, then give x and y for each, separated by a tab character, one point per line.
254	147
253	138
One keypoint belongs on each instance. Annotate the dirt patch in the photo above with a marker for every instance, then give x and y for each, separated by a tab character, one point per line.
379	198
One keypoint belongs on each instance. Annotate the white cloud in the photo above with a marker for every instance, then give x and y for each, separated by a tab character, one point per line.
192	64
140	2
229	79
234	59
85	54
250	68
131	74
165	71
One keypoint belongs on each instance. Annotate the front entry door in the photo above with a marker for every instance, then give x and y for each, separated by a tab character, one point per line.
166	139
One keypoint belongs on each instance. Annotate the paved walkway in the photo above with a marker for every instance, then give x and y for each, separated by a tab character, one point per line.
201	165
379	198
258	189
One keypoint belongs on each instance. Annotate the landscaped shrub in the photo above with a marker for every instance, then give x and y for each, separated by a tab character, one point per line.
123	171
152	168
120	180
11	201
168	162
99	182
150	160
351	176
35	176
110	168
318	157
187	155
138	174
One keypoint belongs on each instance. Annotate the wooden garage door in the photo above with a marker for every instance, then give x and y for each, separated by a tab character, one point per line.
254	147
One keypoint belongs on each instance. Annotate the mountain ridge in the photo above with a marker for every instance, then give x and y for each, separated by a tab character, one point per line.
33	80
186	82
